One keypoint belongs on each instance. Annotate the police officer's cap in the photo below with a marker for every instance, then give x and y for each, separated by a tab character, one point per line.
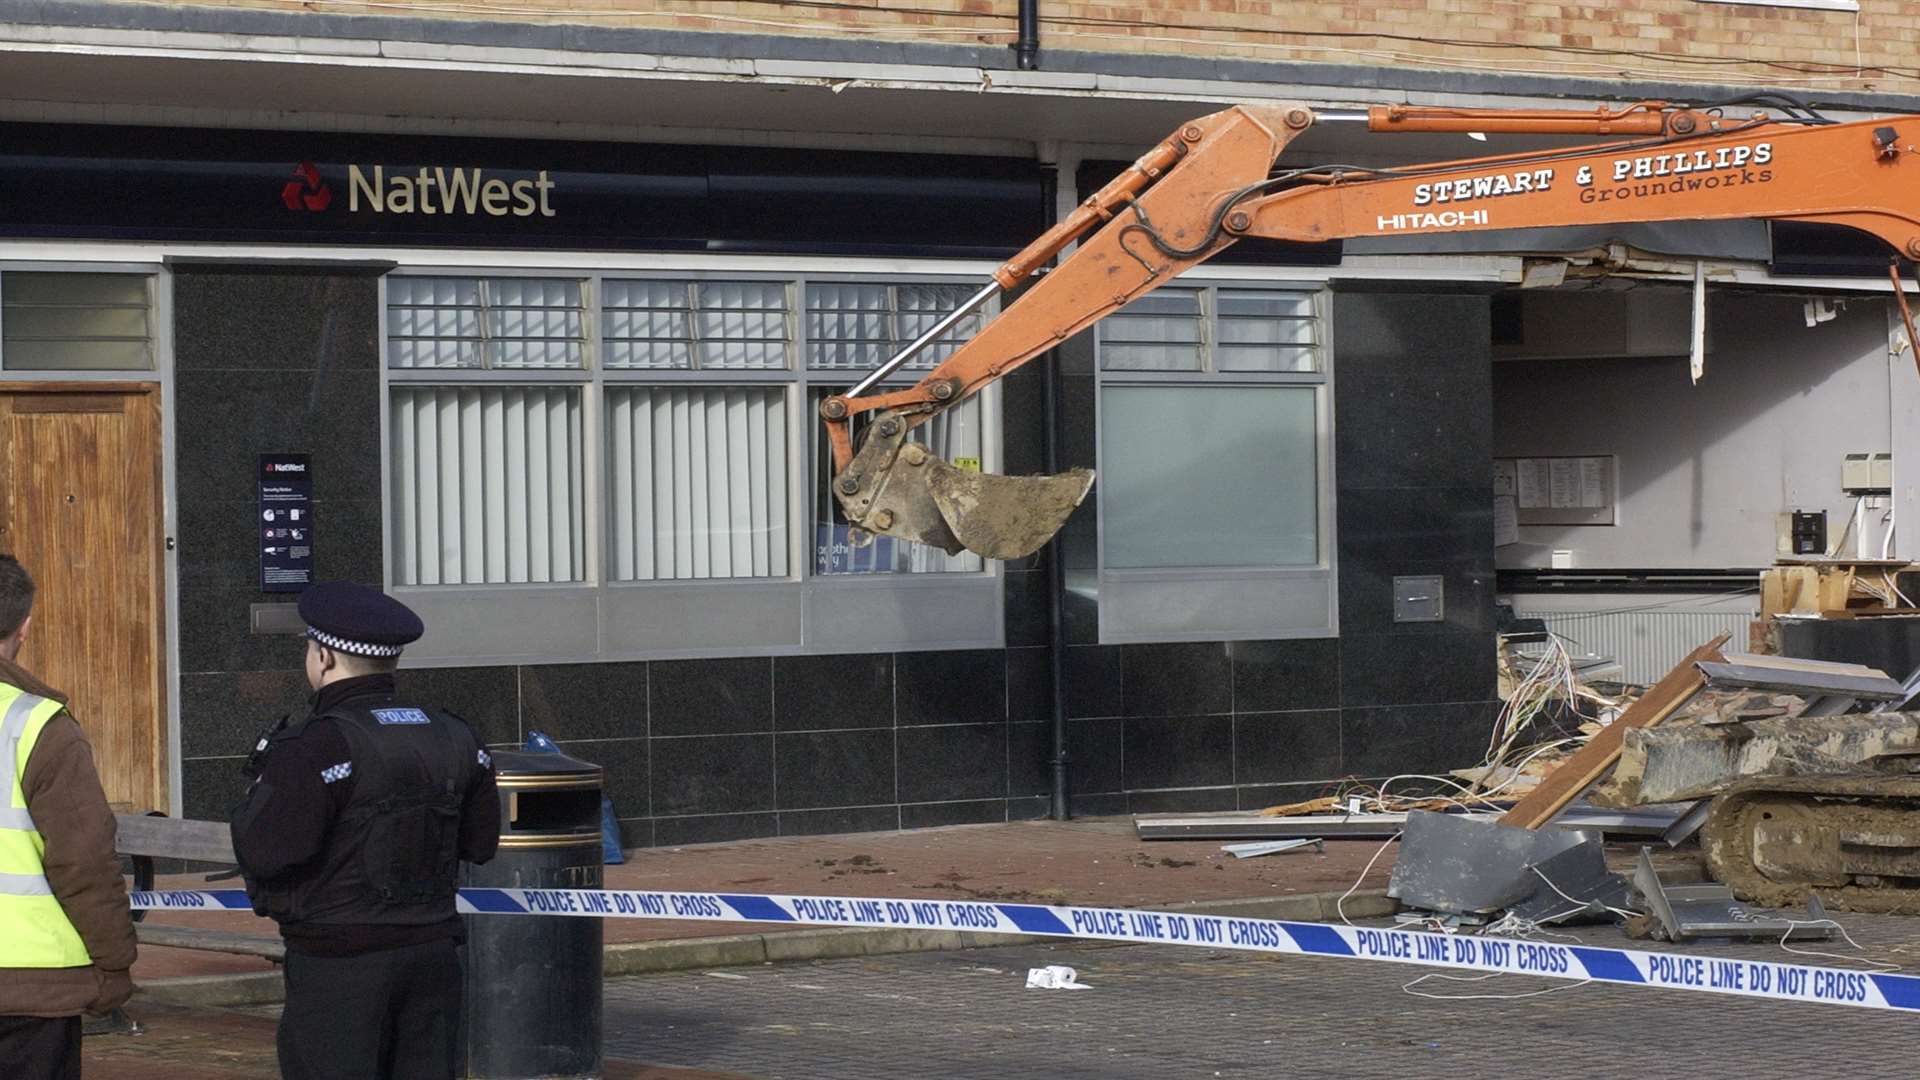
358	620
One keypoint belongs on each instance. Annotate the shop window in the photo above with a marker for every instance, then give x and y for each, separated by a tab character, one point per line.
855	327
1214	475
699	482
60	321
494	324
488	480
956	435
488	485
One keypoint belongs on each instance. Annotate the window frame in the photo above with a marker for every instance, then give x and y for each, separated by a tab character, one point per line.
829	613
1135	602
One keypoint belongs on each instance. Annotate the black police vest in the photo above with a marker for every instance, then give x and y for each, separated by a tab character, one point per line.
392	857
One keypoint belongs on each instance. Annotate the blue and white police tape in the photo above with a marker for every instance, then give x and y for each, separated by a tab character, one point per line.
1632	967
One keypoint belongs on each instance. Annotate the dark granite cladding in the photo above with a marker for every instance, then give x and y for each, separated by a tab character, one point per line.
1177	752
1283	675
1183	679
712	774
713	828
1413	669
1272	748
222	713
1414	739
1029	685
269	358
1093	680
952	761
627	776
211	787
487	698
840	819
972	812
833	768
710	697
585	701
813	693
951	687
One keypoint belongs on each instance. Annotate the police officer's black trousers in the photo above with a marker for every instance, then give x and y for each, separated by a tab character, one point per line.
387	1015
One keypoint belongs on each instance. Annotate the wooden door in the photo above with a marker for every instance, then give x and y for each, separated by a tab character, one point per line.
80	507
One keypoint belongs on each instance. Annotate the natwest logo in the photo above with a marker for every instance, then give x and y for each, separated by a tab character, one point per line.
285	466
447	191
306	191
426	190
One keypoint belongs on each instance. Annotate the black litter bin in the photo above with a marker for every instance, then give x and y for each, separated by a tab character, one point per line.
533	981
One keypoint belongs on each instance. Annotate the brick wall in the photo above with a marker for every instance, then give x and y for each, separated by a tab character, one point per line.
1645	40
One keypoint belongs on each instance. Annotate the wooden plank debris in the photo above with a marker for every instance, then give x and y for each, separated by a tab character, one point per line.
1591	761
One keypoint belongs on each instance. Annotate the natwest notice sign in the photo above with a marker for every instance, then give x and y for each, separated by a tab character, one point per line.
284	525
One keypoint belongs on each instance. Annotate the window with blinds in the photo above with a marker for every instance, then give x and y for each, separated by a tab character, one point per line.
699	482
684	393
488	485
63	321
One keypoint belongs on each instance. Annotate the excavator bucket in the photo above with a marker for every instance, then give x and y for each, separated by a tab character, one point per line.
928	501
1005	517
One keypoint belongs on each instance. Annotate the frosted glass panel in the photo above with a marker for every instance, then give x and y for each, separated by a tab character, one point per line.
1209	476
75	322
1158	332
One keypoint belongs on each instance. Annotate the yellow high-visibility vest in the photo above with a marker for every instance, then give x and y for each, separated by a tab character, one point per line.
34	930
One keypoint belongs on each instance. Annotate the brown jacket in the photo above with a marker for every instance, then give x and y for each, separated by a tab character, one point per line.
70	811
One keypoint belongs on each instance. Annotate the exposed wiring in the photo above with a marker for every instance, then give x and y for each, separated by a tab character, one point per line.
1409	988
1582	905
1340	905
1793	924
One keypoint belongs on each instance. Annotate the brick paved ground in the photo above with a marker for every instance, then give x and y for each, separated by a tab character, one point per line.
1154	1013
1097	861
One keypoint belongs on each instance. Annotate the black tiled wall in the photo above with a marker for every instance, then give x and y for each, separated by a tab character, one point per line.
266	359
703	750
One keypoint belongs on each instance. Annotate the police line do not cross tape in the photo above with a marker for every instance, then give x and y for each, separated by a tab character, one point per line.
1630	967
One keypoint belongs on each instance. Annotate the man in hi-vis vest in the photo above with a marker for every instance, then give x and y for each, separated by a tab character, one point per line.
66	940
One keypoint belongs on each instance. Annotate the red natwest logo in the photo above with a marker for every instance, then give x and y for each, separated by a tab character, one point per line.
306	191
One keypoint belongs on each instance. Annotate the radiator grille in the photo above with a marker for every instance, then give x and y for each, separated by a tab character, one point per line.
1646	643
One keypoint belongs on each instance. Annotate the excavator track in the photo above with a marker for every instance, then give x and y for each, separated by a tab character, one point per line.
1853	840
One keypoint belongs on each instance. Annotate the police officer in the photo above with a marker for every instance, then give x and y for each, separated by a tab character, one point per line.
351	836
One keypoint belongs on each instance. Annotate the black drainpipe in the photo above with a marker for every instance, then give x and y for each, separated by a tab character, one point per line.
1056	589
1026	51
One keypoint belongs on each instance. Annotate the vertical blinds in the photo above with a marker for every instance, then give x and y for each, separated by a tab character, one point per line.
699	482
489	480
487	485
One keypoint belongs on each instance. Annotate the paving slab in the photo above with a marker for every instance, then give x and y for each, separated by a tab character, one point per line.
1095	862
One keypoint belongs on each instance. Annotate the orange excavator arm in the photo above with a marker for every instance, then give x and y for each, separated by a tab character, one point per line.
1210	184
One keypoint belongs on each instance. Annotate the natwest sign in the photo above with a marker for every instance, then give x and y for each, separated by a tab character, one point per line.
436	190
70	181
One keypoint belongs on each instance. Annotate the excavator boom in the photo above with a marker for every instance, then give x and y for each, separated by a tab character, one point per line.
1211	184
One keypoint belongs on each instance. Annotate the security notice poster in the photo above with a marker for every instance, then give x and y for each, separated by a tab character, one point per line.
285	524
